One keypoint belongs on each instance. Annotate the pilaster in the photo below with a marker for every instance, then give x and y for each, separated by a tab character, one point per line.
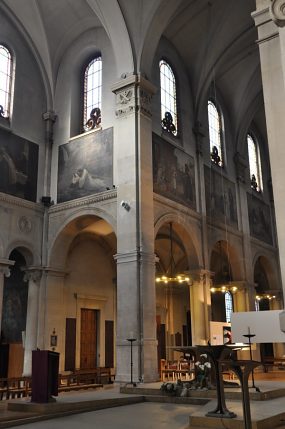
33	277
135	226
269	20
200	300
5	265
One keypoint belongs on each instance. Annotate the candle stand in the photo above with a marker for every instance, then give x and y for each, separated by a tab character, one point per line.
215	353
131	340
243	368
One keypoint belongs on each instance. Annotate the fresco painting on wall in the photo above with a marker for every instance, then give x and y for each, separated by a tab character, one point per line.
85	165
173	172
18	166
259	219
220	198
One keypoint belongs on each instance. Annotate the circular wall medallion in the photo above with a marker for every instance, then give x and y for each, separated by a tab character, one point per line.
25	224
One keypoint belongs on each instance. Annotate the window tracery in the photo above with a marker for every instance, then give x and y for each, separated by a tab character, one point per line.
254	164
215	134
228	306
92	94
168	98
6	68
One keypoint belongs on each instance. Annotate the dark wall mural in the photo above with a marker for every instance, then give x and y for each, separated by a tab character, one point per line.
173	172
18	166
15	299
220	198
85	165
259	219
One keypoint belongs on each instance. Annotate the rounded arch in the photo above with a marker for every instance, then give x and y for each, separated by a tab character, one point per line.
87	221
266	268
26	250
225	254
190	240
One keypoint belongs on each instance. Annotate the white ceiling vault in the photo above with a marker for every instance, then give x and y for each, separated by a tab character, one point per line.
215	39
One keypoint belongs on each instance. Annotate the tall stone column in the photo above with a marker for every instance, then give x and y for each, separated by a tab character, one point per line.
200	298
136	309
33	276
269	19
4	272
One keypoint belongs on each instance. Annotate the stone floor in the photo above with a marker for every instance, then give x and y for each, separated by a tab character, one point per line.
142	415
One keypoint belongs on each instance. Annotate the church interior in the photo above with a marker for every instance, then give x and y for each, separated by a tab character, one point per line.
141	178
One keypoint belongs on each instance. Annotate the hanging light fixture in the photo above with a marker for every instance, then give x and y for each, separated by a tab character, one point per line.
171	276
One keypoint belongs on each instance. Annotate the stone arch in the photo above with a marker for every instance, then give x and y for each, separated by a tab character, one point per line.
26	250
268	267
228	253
190	241
76	223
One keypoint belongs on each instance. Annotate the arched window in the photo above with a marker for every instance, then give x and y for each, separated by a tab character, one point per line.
215	134
92	94
6	71
168	98
228	306
254	163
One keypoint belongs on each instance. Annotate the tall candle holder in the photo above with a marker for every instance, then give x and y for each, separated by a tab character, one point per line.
131	340
249	335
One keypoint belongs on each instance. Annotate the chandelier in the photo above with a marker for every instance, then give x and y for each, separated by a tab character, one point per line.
171	276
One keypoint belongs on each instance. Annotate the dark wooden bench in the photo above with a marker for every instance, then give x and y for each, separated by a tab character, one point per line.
15	387
271	362
78	381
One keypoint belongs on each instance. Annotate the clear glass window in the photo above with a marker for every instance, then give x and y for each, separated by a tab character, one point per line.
5	81
168	98
215	134
92	94
228	306
254	164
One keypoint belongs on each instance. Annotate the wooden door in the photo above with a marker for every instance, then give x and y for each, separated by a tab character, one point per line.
88	338
70	344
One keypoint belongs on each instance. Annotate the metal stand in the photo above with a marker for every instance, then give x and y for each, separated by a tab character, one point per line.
249	336
242	369
215	353
131	340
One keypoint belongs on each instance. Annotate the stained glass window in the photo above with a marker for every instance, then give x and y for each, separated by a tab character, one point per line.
168	98
215	134
228	306
254	163
92	94
5	81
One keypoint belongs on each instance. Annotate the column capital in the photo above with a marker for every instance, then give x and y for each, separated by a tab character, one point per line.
133	94
201	274
49	116
135	255
5	265
277	12
33	274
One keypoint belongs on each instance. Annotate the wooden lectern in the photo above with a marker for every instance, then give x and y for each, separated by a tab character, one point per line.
45	365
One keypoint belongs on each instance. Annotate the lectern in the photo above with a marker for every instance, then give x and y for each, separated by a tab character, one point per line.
45	366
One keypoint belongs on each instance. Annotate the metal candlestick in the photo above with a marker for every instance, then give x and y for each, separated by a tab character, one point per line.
250	336
131	340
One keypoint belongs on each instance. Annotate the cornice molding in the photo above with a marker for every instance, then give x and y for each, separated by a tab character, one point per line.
84	201
15	201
